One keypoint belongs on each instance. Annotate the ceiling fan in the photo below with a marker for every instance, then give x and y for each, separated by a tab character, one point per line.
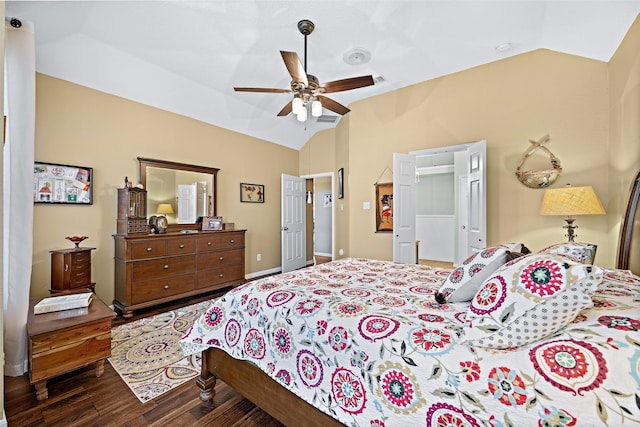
306	88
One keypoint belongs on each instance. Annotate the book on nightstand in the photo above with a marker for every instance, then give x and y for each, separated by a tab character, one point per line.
63	302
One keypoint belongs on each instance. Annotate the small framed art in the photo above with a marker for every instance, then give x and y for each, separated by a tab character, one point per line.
211	223
251	193
341	183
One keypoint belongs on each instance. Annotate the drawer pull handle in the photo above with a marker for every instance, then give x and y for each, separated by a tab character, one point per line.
221	275
233	241
221	258
209	243
166	266
166	286
181	246
149	249
66	267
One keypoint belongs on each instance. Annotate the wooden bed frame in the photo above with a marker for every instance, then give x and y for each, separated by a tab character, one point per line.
291	410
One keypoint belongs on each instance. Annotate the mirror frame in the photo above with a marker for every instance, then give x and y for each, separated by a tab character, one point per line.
165	164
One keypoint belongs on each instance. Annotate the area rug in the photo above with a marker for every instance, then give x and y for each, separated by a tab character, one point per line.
147	356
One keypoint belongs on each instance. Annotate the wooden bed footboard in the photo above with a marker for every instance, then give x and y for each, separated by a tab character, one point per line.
260	389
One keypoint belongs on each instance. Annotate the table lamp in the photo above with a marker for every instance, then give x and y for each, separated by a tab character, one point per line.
571	201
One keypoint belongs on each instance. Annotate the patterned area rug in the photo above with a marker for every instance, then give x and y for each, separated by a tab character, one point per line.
147	356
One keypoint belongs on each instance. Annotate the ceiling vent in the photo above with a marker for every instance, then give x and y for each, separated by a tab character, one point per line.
327	119
377	80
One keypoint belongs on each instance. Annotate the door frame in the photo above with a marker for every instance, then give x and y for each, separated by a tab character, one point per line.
333	205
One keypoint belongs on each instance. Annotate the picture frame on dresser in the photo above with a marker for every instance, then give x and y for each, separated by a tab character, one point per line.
212	223
60	184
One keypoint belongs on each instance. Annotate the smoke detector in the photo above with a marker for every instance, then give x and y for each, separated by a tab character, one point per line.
357	56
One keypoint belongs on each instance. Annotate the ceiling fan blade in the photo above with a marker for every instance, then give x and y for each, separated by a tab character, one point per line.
286	109
260	89
294	66
332	105
347	84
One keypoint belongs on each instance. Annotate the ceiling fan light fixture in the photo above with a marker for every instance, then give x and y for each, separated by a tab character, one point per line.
302	114
296	105
316	108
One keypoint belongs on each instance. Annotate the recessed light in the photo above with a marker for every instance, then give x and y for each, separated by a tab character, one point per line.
357	56
503	47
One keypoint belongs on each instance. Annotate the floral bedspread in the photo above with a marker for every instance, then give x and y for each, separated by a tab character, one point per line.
365	342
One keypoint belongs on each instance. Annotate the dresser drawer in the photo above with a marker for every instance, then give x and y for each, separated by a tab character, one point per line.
148	249
80	259
213	241
162	267
231	240
180	246
217	276
208	260
79	278
161	288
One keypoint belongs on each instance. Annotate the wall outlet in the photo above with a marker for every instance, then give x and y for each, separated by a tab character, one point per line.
259	257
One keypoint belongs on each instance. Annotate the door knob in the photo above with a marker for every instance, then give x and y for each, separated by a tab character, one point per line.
284	228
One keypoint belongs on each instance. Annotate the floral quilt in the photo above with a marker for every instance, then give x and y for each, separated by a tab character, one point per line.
366	342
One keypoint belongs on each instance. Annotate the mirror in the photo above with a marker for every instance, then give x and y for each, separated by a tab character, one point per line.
185	191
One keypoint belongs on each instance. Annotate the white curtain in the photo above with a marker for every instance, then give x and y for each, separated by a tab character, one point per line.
20	91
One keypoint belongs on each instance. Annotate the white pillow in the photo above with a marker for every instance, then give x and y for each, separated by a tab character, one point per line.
584	253
529	299
463	282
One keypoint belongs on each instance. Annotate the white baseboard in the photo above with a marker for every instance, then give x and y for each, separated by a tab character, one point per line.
263	273
323	254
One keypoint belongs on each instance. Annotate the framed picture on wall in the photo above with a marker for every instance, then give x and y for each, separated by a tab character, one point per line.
251	193
340	183
384	207
62	184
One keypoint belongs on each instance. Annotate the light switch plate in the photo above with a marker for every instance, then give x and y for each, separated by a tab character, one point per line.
366	206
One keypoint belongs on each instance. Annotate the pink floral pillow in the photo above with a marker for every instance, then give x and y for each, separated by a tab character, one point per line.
529	299
463	282
584	253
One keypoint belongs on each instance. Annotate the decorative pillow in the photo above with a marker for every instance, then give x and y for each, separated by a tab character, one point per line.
463	282
584	253
529	299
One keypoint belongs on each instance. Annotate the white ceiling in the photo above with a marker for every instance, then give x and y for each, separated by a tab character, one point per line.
186	56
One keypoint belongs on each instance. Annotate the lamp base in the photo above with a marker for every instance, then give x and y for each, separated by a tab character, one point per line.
571	235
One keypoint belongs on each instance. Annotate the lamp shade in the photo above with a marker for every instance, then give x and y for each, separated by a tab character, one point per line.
164	208
571	201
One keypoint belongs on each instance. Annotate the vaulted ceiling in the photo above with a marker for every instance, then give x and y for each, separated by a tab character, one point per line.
186	56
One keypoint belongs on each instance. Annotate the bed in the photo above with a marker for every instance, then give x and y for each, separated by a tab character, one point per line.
365	343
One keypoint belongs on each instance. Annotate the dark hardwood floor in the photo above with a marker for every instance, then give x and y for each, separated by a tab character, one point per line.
80	399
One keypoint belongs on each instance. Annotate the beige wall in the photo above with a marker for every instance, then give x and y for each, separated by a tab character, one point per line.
79	126
506	103
624	133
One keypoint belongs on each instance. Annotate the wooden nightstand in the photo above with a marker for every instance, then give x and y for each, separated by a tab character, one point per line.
63	341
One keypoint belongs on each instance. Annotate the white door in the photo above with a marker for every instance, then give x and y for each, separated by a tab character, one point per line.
477	237
404	208
187	199
293	223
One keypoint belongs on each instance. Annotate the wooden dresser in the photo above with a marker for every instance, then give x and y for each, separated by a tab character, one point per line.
151	269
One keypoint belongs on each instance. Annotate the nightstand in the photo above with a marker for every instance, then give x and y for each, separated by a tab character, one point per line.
62	341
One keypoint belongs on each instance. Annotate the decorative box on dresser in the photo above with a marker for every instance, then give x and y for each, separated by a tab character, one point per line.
151	269
71	270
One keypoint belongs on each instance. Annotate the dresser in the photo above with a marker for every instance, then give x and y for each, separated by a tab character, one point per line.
153	269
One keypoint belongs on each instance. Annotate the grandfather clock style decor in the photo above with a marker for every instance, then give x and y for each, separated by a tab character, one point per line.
132	210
